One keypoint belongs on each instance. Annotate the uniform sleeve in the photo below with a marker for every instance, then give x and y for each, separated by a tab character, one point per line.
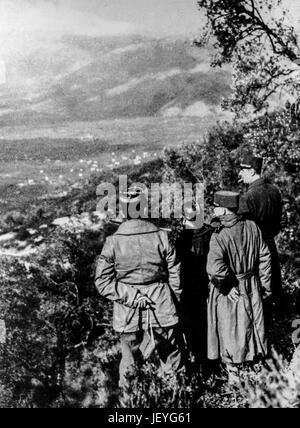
265	265
106	282
174	270
218	271
246	207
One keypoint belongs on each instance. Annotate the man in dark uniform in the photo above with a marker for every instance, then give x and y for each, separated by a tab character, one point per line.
263	204
192	248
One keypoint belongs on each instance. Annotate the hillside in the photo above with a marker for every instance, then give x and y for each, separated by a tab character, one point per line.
85	78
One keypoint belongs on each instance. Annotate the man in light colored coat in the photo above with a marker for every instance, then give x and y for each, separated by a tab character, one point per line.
138	271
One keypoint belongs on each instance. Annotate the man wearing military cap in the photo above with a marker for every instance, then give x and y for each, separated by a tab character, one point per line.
239	270
263	204
138	270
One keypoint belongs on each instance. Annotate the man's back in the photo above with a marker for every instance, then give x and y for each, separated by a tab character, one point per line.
263	204
239	264
139	260
138	270
140	251
238	249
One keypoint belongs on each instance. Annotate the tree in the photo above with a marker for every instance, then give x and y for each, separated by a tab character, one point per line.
255	36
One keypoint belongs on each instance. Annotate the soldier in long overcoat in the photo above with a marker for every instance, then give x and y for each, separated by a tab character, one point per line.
138	270
239	269
262	203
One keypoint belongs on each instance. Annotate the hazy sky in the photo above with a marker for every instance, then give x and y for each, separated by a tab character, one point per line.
105	16
162	16
22	20
25	24
100	16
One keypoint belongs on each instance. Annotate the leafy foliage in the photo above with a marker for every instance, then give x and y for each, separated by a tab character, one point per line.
210	161
28	363
261	44
52	313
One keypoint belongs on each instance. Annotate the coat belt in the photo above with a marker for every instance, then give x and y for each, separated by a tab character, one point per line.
159	281
247	275
227	283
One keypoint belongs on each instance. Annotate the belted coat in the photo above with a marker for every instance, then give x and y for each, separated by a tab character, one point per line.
140	260
238	257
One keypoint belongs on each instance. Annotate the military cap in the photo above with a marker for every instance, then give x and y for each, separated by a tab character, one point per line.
227	199
252	162
132	195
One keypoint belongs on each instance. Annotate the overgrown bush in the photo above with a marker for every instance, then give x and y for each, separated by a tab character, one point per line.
26	359
91	379
151	388
210	160
275	386
52	313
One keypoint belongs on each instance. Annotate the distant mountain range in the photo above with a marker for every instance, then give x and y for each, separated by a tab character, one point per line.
84	78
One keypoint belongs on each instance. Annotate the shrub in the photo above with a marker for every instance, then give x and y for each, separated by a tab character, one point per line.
275	386
210	161
27	356
90	380
150	388
51	309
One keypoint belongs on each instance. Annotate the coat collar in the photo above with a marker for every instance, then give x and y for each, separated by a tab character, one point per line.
229	220
257	183
136	227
